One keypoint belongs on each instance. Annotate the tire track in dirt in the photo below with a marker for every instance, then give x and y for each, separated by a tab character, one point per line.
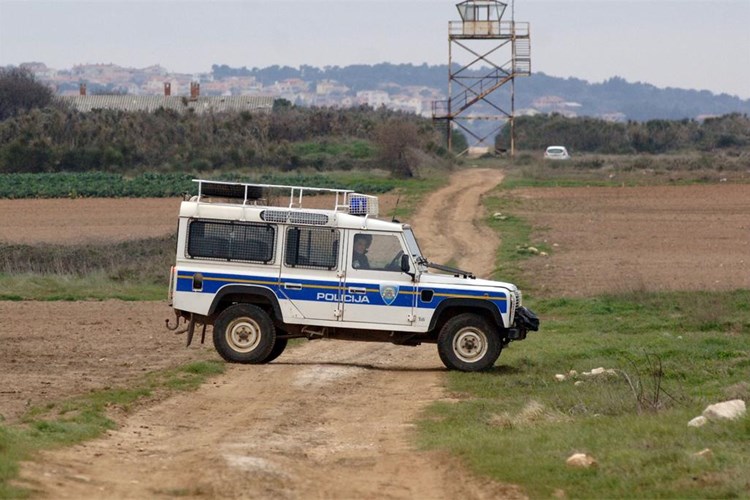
449	224
328	419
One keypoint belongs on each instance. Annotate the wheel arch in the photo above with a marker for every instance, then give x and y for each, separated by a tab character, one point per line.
260	296
450	308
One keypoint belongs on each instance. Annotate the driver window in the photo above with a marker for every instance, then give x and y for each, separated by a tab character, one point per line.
380	252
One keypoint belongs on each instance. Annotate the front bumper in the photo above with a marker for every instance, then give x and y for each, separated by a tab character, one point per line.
524	322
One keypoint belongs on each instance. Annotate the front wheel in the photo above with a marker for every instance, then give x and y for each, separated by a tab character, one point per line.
244	333
468	343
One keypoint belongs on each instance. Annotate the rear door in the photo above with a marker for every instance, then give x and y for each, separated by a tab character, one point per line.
311	276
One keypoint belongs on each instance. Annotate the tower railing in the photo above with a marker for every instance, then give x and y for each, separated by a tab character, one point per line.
488	29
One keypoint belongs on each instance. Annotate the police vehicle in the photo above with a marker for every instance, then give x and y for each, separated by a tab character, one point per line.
262	268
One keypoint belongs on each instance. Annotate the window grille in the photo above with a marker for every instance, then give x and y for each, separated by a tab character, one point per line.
311	218
312	248
239	241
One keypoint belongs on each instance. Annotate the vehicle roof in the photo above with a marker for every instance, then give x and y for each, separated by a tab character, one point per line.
240	201
294	216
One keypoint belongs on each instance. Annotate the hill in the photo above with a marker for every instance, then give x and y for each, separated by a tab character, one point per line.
404	87
614	98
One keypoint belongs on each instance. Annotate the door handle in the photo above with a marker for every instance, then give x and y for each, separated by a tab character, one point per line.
292	286
355	289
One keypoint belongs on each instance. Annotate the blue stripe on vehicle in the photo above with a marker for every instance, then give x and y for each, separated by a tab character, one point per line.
311	290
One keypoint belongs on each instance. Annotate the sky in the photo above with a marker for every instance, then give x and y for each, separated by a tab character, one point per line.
690	44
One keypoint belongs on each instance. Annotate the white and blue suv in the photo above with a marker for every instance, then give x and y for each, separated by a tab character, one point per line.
263	271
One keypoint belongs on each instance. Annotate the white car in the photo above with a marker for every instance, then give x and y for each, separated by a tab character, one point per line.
262	273
556	153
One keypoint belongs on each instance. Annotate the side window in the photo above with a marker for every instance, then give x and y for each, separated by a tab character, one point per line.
380	252
227	240
314	248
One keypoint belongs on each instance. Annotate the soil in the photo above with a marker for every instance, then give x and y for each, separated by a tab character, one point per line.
328	419
631	239
86	220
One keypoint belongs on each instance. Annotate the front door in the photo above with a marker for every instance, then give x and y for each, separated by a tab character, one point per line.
376	291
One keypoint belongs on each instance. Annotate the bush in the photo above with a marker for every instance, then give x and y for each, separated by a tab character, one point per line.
20	92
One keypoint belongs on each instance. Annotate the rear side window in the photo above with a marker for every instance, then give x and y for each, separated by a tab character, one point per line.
231	241
312	248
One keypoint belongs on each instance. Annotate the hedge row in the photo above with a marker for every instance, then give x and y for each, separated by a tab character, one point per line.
108	185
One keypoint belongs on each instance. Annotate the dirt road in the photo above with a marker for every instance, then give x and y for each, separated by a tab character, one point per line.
326	420
449	226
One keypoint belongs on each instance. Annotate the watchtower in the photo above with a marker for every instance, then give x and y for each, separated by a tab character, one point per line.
485	55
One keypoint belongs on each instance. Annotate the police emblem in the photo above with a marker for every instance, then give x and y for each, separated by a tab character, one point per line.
388	293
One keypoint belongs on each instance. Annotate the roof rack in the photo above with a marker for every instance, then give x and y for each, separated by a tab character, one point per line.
257	194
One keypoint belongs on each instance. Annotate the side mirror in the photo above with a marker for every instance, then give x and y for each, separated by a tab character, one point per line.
405	264
406	267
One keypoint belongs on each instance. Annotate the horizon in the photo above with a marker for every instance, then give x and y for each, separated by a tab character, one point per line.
696	45
198	73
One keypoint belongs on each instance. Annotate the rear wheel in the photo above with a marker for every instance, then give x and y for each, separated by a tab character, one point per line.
244	333
468	343
278	348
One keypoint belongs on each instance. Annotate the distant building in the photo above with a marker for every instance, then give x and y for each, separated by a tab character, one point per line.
556	104
373	98
614	117
327	87
199	104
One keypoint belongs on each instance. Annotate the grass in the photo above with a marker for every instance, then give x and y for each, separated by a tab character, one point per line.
129	270
518	424
529	170
86	417
516	244
52	287
671	354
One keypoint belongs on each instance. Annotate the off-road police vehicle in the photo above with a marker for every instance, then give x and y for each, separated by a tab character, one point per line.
263	272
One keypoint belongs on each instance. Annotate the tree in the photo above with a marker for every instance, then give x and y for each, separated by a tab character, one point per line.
20	92
395	138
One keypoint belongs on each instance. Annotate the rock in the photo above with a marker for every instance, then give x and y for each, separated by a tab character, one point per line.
572	373
727	410
578	382
704	453
581	460
560	377
698	421
600	371
594	372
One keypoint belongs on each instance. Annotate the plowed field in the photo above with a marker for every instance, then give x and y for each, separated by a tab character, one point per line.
327	419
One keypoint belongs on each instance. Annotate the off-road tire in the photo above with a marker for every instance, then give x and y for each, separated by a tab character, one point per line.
278	348
244	333
469	343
